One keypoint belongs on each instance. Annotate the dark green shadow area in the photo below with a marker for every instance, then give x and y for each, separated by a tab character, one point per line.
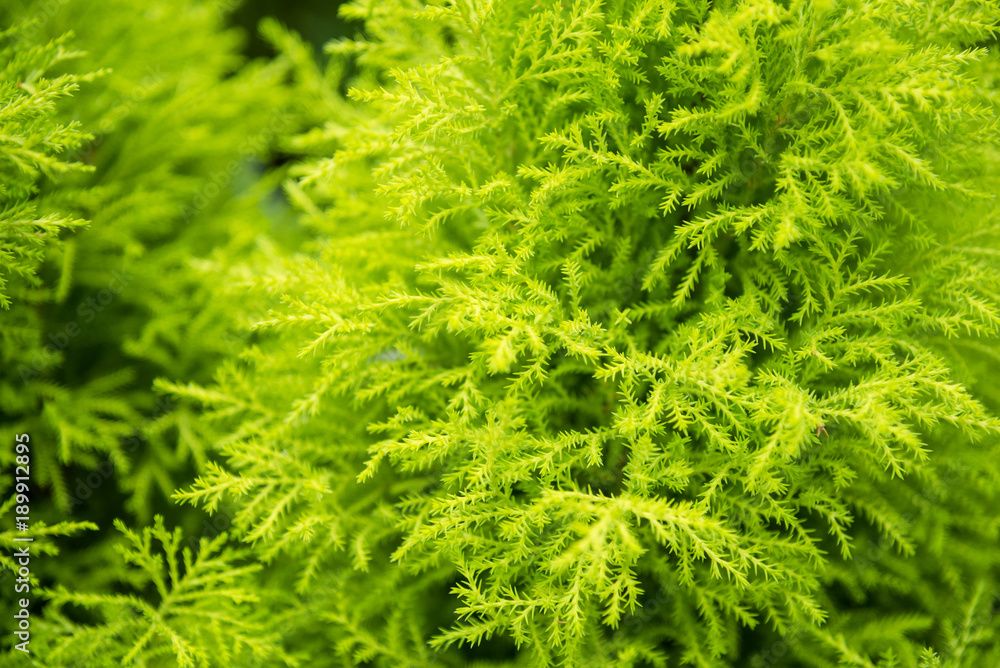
315	20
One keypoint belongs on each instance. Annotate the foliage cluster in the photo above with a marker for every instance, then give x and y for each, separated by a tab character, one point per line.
598	333
133	142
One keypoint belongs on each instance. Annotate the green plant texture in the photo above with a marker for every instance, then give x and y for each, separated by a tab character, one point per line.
534	333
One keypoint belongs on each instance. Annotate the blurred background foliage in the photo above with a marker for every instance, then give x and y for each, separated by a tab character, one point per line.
314	20
181	128
158	209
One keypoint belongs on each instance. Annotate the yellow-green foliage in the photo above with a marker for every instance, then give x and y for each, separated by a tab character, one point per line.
607	333
131	138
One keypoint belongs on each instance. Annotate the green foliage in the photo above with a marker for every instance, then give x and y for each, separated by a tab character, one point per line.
165	162
668	300
110	198
603	333
33	140
207	610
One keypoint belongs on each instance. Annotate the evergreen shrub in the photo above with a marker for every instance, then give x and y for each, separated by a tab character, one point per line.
598	333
